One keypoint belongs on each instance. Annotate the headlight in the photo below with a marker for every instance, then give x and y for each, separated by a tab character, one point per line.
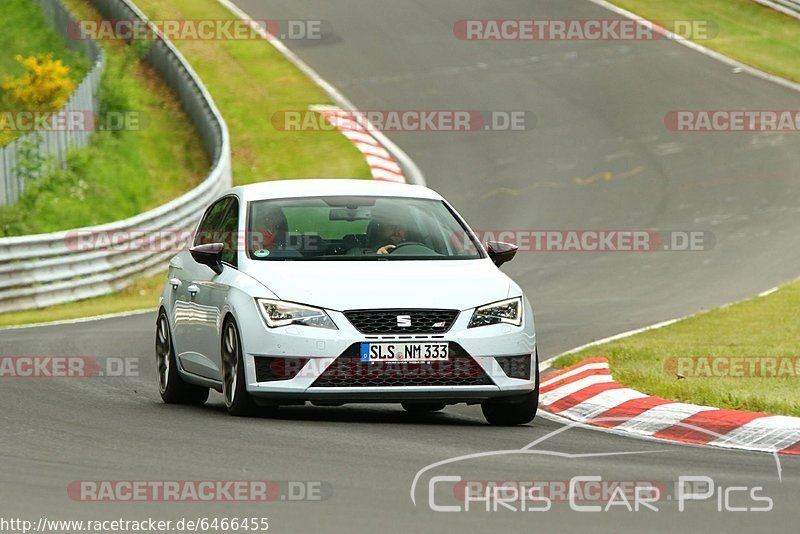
278	313
506	311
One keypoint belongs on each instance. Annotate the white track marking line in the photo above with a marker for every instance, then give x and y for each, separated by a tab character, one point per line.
778	7
700	48
81	319
623	335
768	292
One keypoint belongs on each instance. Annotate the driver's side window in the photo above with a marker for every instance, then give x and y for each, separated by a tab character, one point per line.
230	232
211	225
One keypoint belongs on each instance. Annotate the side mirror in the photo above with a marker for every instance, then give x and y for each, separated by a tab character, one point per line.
209	254
500	252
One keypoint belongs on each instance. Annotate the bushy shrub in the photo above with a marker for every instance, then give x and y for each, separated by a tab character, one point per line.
45	85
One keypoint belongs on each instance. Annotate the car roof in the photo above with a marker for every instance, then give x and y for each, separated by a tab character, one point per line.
330	187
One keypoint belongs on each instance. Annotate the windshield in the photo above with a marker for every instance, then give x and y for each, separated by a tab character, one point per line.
356	228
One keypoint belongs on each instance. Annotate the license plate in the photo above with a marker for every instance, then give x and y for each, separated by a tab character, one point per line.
404	352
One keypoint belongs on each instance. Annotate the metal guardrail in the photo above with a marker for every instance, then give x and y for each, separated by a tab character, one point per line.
54	144
788	7
43	270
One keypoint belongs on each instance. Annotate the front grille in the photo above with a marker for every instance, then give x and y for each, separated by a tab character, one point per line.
516	366
387	322
349	371
269	369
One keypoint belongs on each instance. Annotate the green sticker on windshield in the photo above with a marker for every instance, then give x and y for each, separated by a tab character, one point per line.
261	253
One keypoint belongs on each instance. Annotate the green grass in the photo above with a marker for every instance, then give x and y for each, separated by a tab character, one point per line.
120	173
24	31
250	81
763	326
142	294
770	41
752	33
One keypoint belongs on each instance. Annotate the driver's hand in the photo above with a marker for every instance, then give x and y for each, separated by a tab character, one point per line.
386	249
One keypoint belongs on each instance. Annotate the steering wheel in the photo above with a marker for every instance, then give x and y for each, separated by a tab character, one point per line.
402	244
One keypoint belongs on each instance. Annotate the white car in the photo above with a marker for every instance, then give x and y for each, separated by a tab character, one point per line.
345	291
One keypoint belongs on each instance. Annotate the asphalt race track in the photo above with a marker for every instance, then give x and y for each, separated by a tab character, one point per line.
599	157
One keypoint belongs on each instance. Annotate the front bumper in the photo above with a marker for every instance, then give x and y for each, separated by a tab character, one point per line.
321	348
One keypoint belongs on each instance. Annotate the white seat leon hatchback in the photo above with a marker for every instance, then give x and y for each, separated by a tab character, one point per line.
345	291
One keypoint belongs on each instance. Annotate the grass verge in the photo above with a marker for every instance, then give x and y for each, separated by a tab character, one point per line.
765	328
142	294
762	327
122	172
249	81
752	33
24	31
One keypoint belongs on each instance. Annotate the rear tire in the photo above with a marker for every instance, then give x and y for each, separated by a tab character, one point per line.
171	386
234	385
423	407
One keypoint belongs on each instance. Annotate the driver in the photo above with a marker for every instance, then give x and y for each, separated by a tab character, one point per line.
269	233
392	233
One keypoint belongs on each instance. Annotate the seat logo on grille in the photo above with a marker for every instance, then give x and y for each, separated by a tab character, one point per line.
403	321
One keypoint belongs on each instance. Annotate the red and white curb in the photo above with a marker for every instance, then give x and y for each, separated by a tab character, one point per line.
381	163
587	393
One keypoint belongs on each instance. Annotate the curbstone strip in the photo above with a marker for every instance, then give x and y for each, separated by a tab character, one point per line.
587	393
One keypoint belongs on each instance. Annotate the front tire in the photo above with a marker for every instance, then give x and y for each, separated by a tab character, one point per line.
519	411
512	411
171	386
234	385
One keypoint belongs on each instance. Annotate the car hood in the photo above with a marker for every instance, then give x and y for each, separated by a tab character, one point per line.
350	285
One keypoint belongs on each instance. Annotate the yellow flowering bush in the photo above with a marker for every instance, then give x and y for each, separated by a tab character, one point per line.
45	86
6	136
